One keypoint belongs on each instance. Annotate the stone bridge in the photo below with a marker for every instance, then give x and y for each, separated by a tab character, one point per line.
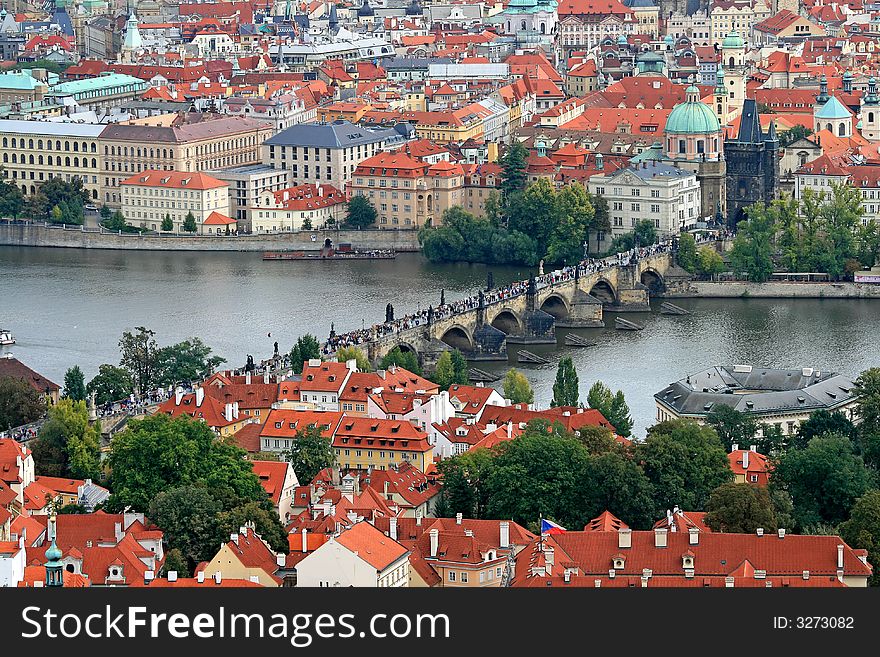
483	333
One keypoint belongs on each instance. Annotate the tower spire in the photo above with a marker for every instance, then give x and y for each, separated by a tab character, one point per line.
54	569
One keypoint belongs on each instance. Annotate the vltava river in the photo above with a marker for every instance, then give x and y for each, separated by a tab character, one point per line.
68	307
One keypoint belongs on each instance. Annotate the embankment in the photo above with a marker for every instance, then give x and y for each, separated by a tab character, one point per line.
773	290
19	234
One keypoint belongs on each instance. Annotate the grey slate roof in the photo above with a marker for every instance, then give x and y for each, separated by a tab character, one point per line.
330	135
757	390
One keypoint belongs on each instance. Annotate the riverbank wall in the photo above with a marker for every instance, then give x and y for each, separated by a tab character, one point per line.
77	237
684	289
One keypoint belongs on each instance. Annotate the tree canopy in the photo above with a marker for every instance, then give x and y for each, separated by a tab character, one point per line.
67	446
20	403
360	213
565	388
740	508
306	348
310	453
517	388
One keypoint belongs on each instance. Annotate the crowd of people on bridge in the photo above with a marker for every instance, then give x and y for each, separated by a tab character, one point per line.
515	289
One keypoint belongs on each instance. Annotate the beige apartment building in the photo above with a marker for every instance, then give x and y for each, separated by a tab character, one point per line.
31	152
149	196
192	143
407	192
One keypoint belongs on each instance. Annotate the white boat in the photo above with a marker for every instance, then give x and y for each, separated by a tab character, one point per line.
6	337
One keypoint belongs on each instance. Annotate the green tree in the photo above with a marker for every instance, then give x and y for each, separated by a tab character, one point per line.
306	224
310	453
444	373
12	202
824	480
264	519
158	453
104	213
540	474
186	361
687	253
740	509
732	426
360	213
57	215
116	222
67	446
110	384
74	384
463	237
188	517
612	405
405	359
752	247
618	484
536	213
645	233
601	215
862	530
517	388
175	562
565	389
868	391
821	423
306	348
513	170
167	223
575	219
842	213
685	462
20	403
465	488
597	440
189	223
793	134
709	262
140	356
459	367
345	354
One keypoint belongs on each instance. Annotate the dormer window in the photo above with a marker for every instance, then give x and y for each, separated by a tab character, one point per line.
687	560
619	561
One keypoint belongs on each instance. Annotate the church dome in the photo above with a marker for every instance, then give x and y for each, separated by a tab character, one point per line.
732	40
621	40
650	56
366	9
833	109
522	4
668	40
53	554
692	117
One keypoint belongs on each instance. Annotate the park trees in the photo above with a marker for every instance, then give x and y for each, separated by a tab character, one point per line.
74	384
612	405
405	359
732	426
862	530
345	354
360	213
67	446
110	384
306	348
189	223
20	403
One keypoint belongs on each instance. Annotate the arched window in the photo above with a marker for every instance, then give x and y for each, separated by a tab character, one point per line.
13	142
682	146
701	146
841	130
49	160
67	161
5	158
40	144
31	159
870	117
14	158
543	28
67	146
5	143
94	148
731	63
76	162
94	163
830	128
523	25
58	145
30	143
802	158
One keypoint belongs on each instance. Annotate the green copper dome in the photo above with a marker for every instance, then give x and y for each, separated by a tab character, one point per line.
692	117
732	40
53	554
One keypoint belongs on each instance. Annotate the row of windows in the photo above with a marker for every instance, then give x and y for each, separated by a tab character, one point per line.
49	160
391	455
20	143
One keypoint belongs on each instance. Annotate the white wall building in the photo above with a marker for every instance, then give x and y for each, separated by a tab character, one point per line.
149	196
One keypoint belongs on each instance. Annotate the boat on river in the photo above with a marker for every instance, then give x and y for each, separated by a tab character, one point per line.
6	337
342	252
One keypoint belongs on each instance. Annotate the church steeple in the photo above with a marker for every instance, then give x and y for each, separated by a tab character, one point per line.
823	97
54	569
333	19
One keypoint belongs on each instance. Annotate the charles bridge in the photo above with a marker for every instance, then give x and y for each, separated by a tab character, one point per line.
530	317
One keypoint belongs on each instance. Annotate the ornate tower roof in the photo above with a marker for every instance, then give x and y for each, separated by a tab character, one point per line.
692	117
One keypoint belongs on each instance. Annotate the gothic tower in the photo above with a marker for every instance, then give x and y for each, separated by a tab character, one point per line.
752	164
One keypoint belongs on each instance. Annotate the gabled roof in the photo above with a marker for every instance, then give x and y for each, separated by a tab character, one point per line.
174	180
371	545
15	369
272	476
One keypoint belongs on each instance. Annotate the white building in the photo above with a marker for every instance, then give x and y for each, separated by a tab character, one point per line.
667	195
148	197
423	411
12	563
303	207
246	185
281	110
361	556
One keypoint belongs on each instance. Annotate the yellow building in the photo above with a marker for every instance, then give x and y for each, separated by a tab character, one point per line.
148	197
34	151
190	144
364	443
342	111
245	556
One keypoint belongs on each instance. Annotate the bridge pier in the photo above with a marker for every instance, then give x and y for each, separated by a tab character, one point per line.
489	344
586	312
632	294
538	327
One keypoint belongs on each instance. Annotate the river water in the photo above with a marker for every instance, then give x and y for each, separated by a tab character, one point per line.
68	306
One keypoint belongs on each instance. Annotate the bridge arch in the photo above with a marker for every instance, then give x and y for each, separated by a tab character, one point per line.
555	305
653	280
604	291
508	321
458	337
407	347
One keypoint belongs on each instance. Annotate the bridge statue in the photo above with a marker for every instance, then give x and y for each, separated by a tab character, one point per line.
332	331
249	367
490	281
442	297
541	267
481	299
276	348
389	313
430	315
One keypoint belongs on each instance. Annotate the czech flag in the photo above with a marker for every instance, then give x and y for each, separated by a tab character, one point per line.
550	527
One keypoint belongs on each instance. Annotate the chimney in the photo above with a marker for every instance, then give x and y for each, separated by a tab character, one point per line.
753	448
266	376
435	541
840	556
247	377
760	531
392	528
734	447
660	538
305	540
218	577
781	533
227	411
178	396
234	538
172	575
149	574
457	518
504	539
200	395
280	559
693	536
728	582
469	532
806	575
745	459
567	576
624	538
200	577
549	559
418	518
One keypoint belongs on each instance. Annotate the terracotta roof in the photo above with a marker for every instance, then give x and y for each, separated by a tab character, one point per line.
605	522
33	574
218	219
253	552
15	369
371	545
284	423
380	434
327	377
680	521
174	180
10	451
272	475
210	410
248	437
248	395
192	583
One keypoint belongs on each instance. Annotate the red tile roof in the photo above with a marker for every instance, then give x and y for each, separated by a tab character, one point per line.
284	423
193	582
174	180
371	545
326	377
380	434
272	475
248	437
15	369
10	451
253	552
210	410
